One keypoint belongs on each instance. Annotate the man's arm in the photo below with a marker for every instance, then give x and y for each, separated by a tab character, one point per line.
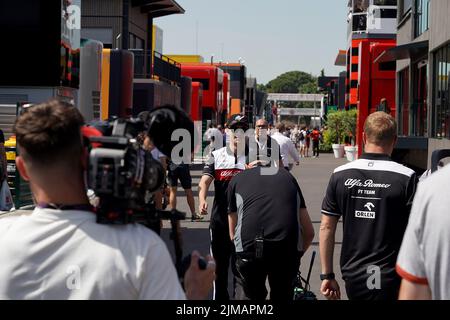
203	188
307	228
232	222
330	288
327	233
293	152
414	291
276	146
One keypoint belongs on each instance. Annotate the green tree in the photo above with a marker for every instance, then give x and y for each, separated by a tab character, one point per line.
310	87
261	87
340	124
291	82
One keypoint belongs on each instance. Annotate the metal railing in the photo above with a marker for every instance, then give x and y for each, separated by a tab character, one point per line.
166	68
163	68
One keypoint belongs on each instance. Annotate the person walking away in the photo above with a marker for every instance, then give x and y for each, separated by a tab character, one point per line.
220	168
295	136
269	236
302	143
383	106
287	148
307	142
315	137
374	196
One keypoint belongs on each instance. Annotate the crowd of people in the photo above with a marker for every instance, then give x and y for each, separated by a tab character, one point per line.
395	239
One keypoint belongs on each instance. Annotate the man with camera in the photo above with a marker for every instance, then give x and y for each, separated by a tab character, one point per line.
271	229
59	251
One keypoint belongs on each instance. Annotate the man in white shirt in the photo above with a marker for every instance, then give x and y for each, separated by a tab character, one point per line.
287	148
266	148
59	251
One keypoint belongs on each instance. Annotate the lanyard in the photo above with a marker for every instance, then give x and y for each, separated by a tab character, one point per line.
78	207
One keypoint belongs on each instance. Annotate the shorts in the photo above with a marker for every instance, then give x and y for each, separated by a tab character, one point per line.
302	143
182	173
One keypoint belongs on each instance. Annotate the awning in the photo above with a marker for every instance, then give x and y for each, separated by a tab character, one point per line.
341	59
405	51
158	8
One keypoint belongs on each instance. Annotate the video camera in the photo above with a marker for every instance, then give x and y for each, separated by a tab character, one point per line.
123	175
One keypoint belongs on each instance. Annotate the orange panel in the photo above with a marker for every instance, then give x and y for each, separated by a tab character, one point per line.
235	106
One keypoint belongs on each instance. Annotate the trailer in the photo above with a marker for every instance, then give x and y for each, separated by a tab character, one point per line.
371	31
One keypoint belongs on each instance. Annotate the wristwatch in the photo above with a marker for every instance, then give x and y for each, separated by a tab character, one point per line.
328	276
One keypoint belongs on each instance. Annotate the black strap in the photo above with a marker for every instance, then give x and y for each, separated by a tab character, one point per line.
63	207
268	147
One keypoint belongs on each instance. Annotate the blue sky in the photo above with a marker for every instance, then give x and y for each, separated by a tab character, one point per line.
272	36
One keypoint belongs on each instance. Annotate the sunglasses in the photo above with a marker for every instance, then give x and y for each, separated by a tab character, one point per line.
262	127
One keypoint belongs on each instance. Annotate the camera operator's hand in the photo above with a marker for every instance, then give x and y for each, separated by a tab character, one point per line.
198	283
203	207
330	289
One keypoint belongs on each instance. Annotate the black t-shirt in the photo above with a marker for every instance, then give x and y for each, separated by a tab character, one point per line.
267	205
223	165
2	136
374	196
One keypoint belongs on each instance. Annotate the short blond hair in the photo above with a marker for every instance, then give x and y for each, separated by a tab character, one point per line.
380	128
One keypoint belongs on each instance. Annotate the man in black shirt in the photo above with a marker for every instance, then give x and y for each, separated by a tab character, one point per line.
374	196
271	228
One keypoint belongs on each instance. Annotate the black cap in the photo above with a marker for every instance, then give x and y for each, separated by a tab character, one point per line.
238	121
